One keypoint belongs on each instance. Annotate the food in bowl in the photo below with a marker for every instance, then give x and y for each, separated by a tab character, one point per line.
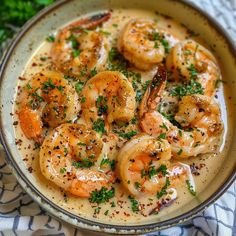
118	116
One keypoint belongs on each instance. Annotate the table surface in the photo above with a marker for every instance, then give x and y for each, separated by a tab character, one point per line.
20	215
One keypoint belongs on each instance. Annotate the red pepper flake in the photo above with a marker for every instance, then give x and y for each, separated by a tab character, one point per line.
18	141
34	64
30	169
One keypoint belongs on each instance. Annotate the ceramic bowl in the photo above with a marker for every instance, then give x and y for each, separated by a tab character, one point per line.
53	17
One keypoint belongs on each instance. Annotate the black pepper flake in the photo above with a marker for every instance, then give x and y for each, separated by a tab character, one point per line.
15	123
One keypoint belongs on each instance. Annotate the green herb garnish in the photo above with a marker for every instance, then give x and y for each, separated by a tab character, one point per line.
79	86
101	104
162	136
190	188
134	204
127	135
163	190
102	196
85	163
99	126
50	39
180	151
193	87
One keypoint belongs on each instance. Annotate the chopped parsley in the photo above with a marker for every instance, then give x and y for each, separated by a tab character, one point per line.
162	169
63	170
133	121
166	45
190	188
163	190
137	185
113	164
93	72
127	135
156	45
163	126
134	204
180	151
97	210
106	161
152	171
106	33
101	104
81	144
192	87
171	118
99	126
85	163
79	86
76	52
37	97
139	95
102	196
162	136
28	86
83	99
50	39
48	85
192	71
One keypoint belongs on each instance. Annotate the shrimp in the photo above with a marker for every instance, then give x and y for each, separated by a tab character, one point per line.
67	158
77	50
142	43
190	60
47	99
109	95
199	116
144	166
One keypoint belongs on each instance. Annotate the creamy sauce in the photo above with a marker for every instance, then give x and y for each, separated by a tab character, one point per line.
118	209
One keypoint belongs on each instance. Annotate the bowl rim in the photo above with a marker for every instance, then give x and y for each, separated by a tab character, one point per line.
81	222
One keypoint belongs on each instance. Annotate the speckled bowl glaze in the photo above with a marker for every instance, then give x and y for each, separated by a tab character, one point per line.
46	22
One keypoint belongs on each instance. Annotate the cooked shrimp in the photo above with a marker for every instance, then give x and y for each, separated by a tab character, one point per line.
67	158
190	60
109	95
198	113
46	99
141	43
144	166
76	50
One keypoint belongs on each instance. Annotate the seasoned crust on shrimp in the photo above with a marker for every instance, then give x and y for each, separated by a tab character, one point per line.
47	99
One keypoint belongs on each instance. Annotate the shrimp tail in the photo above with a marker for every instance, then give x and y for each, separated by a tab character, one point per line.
89	23
153	93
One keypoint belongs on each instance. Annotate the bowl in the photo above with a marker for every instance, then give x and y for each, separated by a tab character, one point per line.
64	11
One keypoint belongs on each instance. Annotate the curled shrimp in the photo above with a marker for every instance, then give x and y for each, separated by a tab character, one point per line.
47	99
76	48
109	95
199	116
144	166
141	43
188	59
67	158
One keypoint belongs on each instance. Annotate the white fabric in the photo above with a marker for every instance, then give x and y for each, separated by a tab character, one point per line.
19	215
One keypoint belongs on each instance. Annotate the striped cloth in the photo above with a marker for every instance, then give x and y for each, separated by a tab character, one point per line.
19	215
